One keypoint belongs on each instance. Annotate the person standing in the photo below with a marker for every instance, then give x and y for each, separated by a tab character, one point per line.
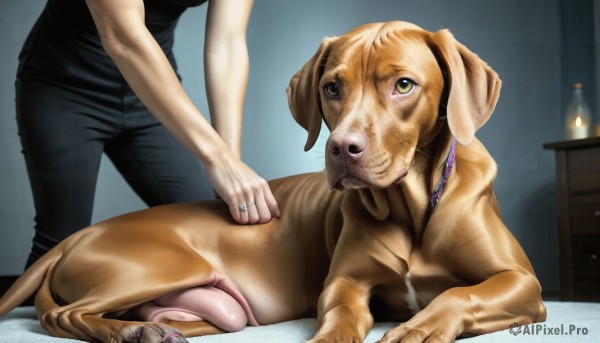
99	76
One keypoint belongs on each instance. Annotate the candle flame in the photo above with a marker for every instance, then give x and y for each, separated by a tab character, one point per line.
578	122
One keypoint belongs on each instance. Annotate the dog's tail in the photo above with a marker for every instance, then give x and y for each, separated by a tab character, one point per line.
29	282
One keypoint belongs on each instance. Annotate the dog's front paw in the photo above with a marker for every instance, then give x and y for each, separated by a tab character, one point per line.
407	333
336	338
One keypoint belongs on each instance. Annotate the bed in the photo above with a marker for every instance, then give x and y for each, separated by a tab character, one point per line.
567	322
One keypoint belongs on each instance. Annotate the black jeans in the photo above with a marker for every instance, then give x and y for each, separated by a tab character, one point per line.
63	135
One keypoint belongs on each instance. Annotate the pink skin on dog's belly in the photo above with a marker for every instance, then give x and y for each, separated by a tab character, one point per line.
217	303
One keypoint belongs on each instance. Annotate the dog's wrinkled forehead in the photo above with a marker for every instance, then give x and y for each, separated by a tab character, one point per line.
374	29
367	46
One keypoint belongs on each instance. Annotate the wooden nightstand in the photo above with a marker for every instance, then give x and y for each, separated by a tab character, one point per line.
578	199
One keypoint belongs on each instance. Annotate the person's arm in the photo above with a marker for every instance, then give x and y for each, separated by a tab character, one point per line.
226	67
144	65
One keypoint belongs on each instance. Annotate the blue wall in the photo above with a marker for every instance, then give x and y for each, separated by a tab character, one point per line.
521	40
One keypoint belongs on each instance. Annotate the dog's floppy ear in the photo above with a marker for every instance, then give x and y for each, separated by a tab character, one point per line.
303	94
472	86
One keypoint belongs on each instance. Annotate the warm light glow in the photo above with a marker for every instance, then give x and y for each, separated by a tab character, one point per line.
578	121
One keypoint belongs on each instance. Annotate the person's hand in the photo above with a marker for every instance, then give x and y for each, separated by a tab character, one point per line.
248	195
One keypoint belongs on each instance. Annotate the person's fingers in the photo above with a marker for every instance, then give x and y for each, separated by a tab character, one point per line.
244	215
266	205
234	208
248	196
264	215
253	211
262	208
253	216
270	202
258	211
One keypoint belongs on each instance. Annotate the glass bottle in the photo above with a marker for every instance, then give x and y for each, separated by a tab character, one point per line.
578	119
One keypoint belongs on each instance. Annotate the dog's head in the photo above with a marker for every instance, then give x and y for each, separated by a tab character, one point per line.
384	90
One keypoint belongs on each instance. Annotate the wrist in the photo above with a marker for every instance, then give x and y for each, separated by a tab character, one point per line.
231	138
217	156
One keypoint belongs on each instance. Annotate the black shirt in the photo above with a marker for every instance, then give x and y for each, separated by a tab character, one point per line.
64	47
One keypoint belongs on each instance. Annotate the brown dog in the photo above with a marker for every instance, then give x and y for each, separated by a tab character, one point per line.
417	224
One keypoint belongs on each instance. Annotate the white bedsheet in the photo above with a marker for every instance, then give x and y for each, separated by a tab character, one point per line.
22	326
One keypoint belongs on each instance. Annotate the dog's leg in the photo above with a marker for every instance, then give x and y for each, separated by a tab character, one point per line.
92	327
344	314
83	318
503	291
504	299
359	263
192	329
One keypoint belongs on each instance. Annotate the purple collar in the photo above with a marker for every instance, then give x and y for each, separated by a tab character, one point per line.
437	193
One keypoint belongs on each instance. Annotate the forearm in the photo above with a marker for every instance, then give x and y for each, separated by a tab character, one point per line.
226	66
164	96
226	72
147	70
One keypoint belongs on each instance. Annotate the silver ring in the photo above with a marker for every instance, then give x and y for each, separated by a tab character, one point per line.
244	208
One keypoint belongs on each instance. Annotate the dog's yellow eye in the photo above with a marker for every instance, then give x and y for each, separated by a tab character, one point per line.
331	90
404	85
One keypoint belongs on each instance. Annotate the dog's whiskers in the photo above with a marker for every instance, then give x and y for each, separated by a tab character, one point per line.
320	156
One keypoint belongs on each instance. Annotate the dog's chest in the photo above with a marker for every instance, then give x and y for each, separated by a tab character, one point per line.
414	289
